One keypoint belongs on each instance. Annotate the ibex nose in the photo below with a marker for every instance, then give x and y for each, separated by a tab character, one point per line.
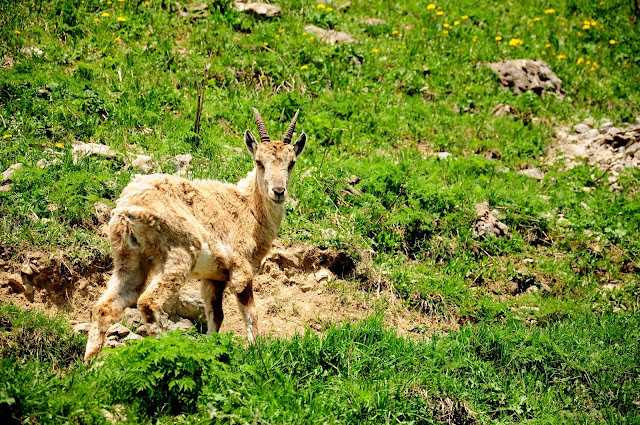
279	191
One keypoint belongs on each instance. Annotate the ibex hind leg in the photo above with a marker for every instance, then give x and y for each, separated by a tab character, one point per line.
123	290
170	273
212	292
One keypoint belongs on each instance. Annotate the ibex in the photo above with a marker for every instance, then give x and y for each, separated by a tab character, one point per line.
166	229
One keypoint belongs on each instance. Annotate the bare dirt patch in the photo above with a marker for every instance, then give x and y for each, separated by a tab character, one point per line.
299	287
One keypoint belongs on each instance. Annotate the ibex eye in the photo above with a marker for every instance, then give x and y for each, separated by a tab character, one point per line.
259	163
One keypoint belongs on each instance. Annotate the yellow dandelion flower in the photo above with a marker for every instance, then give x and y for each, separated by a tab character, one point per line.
439	13
549	11
499	43
456	22
147	3
395	32
588	62
587	22
446	25
265	44
544	53
17	32
304	67
96	20
586	26
612	41
579	33
536	19
117	39
547	45
579	61
515	42
561	57
121	1
277	36
445	32
424	30
106	15
121	19
6	136
321	6
475	38
280	30
593	69
59	145
465	17
595	65
311	38
431	6
593	23
304	33
498	38
329	9
468	88
148	32
374	50
109	3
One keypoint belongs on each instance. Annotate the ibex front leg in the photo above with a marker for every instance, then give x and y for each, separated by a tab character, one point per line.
242	284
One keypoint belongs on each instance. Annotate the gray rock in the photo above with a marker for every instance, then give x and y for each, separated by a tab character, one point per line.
262	10
132	317
323	276
534	173
527	75
9	172
631	150
119	330
487	224
133	337
142	162
443	155
581	128
502	109
188	304
182	325
330	36
82	328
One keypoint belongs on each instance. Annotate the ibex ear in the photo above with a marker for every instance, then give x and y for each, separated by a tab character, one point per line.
251	142
298	146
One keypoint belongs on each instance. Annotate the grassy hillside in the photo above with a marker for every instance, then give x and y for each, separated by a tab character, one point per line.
124	74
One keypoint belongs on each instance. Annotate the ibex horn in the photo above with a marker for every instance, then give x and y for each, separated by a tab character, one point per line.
289	133
262	129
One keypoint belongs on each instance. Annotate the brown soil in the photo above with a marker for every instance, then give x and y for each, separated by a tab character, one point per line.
300	287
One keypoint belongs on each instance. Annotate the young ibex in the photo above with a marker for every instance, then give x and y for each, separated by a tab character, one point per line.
166	229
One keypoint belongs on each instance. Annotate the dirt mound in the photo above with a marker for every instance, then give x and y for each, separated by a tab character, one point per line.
299	286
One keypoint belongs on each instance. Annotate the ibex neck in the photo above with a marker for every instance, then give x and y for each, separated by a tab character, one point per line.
267	214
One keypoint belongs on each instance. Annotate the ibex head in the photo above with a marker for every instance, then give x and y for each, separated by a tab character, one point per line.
274	160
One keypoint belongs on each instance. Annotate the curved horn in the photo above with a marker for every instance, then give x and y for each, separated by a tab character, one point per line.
289	133
262	129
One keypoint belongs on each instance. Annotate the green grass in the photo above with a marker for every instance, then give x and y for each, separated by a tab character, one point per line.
371	109
579	370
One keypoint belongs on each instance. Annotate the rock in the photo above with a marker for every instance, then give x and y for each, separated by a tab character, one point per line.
443	155
374	21
502	109
307	286
487	224
605	125
330	36
26	269
323	276
118	330
117	416
581	128
132	337
576	151
132	317
5	187
631	150
182	325
328	234
534	173
81	328
525	74
32	51
545	288
43	163
286	258
262	10
81	150
113	343
14	280
188	304
9	172
183	162
143	162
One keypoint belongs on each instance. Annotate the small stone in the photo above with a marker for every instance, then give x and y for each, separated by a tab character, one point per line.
323	276
263	10
9	172
5	188
564	222
374	21
605	125
581	128
26	269
113	343
330	36
502	109
43	163
589	122
81	328
534	173
631	150
306	286
143	162
182	325
328	234
286	258
133	337
443	155
119	330
545	288
132	317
